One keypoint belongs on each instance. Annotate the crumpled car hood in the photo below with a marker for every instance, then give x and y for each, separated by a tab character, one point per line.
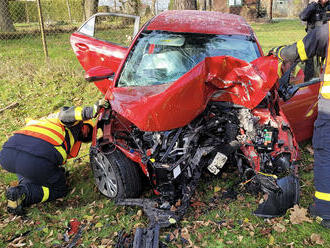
173	105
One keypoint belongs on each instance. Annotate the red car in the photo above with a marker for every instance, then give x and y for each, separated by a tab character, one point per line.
191	92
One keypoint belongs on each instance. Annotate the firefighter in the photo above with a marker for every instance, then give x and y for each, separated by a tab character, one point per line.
315	14
37	151
316	43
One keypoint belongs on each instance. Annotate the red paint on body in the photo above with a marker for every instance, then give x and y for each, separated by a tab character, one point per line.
173	105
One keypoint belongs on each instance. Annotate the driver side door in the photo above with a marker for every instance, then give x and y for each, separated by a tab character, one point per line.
103	40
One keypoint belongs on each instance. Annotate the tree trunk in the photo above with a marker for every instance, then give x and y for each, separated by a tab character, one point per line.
90	7
6	23
185	4
271	10
205	4
154	7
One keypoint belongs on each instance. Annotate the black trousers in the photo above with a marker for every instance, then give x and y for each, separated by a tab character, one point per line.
321	145
34	173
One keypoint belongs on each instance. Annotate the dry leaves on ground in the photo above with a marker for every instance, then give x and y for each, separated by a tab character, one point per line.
317	239
299	215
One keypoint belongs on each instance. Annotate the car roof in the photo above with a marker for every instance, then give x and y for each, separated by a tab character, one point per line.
193	21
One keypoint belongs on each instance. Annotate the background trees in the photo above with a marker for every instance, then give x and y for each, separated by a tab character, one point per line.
6	23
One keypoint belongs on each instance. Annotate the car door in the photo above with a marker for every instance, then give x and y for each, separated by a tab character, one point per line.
103	40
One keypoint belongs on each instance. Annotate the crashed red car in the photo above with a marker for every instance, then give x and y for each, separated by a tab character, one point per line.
192	92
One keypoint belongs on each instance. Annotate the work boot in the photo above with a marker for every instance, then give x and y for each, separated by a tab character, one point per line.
15	198
312	211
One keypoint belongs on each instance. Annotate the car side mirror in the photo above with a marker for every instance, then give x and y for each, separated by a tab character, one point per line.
99	73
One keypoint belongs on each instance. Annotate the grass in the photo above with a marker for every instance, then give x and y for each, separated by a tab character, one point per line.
41	87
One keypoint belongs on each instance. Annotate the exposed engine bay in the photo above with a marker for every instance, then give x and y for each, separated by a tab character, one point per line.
258	142
222	134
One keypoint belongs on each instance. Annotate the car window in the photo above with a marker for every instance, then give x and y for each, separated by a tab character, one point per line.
160	57
112	27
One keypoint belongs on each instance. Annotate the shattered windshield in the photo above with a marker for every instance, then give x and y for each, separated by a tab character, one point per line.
161	57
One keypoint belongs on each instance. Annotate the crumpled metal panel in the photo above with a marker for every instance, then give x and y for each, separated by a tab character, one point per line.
173	105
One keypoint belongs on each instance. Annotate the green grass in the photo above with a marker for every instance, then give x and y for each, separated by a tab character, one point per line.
41	87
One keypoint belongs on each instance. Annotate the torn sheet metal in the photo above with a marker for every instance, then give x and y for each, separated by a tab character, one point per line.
173	105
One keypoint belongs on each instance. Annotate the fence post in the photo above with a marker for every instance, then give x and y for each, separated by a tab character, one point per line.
69	10
42	29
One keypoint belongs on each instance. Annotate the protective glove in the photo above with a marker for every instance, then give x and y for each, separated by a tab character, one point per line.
276	51
103	103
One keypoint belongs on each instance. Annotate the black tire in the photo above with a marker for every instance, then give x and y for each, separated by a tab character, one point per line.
115	175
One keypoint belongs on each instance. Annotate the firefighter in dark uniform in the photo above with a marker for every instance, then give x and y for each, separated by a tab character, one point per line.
316	43
37	151
315	14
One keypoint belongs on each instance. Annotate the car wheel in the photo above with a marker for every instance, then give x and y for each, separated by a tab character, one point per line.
115	175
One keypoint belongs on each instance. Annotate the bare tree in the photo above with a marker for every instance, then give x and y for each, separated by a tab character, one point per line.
6	23
130	7
90	7
154	7
185	4
205	4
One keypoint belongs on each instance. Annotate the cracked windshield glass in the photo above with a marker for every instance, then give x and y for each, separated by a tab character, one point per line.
160	57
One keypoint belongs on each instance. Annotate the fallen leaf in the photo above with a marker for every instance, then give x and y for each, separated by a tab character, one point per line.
216	189
240	198
299	215
172	220
173	208
198	204
88	217
105	241
19	245
240	238
13	183
316	239
279	228
310	150
48	241
98	224
139	213
185	234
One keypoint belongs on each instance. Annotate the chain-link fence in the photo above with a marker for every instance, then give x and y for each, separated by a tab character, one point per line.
40	25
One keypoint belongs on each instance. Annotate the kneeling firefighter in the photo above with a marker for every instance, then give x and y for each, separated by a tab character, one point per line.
37	151
316	43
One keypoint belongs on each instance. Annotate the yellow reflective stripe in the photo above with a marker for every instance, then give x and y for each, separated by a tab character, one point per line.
48	125
326	77
325	90
279	53
279	70
322	196
62	151
301	50
78	113
296	70
46	194
71	139
45	132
